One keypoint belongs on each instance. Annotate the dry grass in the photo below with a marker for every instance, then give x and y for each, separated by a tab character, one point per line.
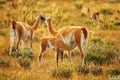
65	13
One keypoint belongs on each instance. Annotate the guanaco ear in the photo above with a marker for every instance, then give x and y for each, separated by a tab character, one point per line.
51	18
41	14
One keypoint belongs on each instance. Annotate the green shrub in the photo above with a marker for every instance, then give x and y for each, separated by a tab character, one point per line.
7	50
2	34
117	23
26	52
101	53
30	22
96	58
63	71
113	71
83	14
106	11
82	70
78	5
2	1
24	62
25	58
4	63
16	54
97	71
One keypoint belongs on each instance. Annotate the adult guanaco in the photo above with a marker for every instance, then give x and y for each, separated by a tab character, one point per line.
22	31
73	36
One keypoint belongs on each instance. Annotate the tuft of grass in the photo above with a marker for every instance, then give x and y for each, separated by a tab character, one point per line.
83	15
75	52
113	71
97	71
111	25
27	52
117	23
30	22
16	54
63	71
82	70
4	63
36	38
24	62
106	11
7	50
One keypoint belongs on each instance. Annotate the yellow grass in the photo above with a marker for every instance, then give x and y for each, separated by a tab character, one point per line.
64	13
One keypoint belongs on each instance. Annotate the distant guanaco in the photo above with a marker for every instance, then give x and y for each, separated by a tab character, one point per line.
94	16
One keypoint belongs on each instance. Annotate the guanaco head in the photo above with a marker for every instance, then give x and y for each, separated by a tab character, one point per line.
48	20
88	9
42	18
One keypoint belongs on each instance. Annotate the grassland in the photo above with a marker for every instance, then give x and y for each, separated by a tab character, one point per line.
65	13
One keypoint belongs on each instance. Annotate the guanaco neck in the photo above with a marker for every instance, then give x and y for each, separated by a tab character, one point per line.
88	10
35	25
51	29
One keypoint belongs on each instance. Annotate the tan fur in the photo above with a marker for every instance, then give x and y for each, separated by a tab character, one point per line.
63	33
77	35
93	15
20	29
51	29
57	43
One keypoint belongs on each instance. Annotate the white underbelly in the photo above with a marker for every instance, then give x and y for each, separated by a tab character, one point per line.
50	46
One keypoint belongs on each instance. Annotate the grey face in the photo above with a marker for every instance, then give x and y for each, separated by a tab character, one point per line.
42	18
48	19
